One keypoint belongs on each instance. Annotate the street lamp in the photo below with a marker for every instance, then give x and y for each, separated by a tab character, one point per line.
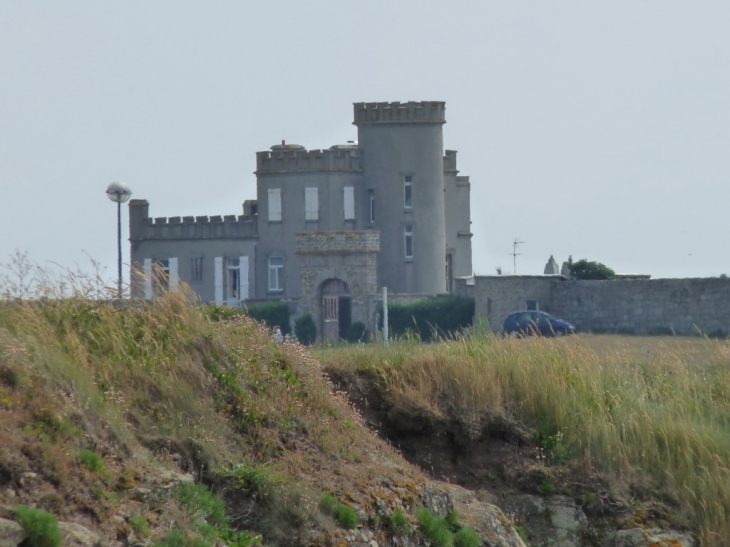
119	193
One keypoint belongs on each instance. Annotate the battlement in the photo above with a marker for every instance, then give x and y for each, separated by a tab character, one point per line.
397	112
361	241
199	227
297	161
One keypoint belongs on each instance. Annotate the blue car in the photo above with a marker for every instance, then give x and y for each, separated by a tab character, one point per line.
526	323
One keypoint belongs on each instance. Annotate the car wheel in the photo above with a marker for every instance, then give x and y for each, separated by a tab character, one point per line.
560	332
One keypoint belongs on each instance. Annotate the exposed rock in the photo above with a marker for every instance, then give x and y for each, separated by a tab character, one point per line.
486	519
75	535
11	533
554	521
637	537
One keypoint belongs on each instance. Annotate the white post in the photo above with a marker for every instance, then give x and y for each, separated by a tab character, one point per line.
385	314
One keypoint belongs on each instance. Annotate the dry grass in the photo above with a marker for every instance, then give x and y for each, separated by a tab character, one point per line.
159	382
657	408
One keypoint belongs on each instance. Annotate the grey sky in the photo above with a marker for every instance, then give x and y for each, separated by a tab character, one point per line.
596	129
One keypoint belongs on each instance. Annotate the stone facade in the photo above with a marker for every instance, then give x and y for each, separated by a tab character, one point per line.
636	306
388	210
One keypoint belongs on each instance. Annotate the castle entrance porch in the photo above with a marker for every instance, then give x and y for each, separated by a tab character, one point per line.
336	310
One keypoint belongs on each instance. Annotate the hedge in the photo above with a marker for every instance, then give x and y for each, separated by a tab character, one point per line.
274	314
443	316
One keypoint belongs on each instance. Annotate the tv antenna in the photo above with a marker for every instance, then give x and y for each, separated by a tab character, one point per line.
515	254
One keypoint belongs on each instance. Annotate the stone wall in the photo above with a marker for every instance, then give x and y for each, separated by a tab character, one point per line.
637	306
349	256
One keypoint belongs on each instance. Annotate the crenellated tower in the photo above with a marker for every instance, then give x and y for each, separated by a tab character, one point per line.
403	165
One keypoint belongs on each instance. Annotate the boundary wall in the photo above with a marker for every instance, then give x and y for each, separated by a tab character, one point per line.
631	306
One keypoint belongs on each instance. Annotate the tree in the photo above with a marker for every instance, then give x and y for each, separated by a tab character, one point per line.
584	269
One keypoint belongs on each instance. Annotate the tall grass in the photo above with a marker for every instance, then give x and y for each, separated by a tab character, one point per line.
662	413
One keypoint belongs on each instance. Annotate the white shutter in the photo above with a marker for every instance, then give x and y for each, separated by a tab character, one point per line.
243	277
174	280
274	204
311	204
349	203
218	277
148	279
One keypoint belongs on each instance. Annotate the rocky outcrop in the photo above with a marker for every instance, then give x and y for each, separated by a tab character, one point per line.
11	533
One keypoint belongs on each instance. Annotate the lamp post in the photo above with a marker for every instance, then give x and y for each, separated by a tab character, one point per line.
119	193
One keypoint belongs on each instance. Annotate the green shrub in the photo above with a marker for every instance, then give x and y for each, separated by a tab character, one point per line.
546	486
41	527
140	525
347	516
174	538
435	528
90	460
398	523
273	314
357	332
466	537
452	519
305	330
328	504
442	317
199	502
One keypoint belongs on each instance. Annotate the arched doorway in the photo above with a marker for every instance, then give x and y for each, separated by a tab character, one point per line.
336	312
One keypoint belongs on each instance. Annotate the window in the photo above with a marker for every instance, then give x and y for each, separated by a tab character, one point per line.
232	287
532	305
231	280
409	241
196	268
276	270
160	275
311	204
274	204
408	192
372	205
161	272
349	204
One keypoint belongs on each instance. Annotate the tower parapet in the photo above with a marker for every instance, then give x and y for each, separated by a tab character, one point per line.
397	112
298	161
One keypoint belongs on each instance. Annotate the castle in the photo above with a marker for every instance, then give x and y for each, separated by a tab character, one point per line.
328	228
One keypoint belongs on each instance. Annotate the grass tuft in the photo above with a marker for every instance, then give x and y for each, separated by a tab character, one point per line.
41	527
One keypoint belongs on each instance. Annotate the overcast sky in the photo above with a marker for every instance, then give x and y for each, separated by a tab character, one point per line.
594	129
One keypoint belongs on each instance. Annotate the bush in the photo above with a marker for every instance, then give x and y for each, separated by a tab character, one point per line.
398	523
41	527
305	330
346	516
357	332
466	537
199	502
273	314
441	316
583	269
328	504
90	460
435	528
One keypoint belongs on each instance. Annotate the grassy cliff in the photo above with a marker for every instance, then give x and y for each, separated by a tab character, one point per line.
635	429
152	423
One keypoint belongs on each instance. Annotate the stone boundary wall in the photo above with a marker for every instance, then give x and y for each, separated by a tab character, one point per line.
633	306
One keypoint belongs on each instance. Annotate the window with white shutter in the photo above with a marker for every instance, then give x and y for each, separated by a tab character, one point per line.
349	202
311	204
274	204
